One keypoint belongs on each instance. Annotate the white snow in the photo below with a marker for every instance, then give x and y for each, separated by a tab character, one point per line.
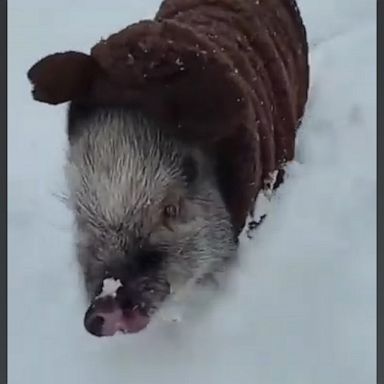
301	306
110	287
263	200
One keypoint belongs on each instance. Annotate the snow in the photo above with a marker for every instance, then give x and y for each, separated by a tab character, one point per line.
110	287
300	307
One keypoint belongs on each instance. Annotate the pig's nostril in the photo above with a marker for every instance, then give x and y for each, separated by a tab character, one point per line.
94	325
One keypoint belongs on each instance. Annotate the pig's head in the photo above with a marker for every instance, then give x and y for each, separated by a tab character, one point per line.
149	217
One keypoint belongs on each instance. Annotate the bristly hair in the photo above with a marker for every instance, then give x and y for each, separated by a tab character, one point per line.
106	155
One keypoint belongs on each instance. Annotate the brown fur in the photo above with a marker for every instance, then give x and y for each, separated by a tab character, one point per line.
231	75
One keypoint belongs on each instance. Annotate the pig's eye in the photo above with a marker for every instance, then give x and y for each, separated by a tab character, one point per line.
171	211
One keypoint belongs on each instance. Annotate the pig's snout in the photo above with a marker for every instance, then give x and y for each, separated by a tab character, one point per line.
106	317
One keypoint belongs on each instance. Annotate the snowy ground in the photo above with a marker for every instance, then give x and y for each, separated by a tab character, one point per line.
302	307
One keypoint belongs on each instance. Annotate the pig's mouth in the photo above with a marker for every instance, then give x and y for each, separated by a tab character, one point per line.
105	317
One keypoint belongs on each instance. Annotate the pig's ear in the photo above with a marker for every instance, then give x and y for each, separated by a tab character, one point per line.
179	76
62	77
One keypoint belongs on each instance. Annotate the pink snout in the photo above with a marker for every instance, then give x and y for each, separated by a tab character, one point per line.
105	318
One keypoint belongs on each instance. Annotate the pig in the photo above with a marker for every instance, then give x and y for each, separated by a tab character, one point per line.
176	126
